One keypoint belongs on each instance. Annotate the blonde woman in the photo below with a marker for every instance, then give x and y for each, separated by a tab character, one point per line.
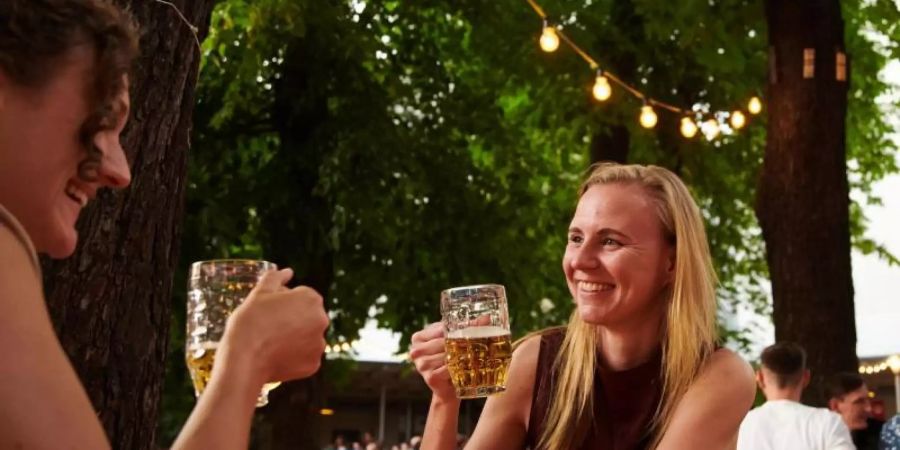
637	366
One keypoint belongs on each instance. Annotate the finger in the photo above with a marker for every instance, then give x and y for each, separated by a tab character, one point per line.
437	376
428	348
273	280
432	331
481	321
431	362
308	292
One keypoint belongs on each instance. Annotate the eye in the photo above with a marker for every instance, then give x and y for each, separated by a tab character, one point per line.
609	242
575	238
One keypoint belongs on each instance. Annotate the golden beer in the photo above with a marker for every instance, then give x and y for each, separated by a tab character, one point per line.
200	360
478	359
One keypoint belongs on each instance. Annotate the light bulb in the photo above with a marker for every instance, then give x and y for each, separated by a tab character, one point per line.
602	91
754	106
648	117
894	363
688	127
711	129
738	120
549	39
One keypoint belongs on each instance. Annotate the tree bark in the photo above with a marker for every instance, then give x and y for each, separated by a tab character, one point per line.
610	144
110	302
298	225
803	194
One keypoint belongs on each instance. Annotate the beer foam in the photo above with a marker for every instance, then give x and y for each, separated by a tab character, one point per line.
478	332
205	345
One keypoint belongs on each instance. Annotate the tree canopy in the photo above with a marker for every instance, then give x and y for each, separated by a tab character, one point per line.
406	147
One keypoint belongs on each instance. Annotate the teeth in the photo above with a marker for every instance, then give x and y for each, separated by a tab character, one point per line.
77	195
594	287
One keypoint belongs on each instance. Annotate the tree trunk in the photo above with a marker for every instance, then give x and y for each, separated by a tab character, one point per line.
803	195
610	144
290	422
110	302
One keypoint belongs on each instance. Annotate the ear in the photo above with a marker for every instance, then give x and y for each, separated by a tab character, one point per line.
760	379
670	263
804	382
833	404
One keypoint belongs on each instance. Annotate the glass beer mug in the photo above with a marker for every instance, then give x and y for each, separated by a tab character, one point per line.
215	289
476	338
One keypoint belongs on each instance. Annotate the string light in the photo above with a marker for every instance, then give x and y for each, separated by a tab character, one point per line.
738	120
648	117
754	106
602	89
711	129
688	127
549	38
891	363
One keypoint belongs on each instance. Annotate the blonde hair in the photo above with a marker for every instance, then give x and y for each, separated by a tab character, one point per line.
689	333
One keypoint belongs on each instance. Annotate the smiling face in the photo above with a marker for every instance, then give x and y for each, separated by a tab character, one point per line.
41	149
854	407
618	262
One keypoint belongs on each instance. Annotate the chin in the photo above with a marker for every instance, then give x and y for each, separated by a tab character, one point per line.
591	315
61	246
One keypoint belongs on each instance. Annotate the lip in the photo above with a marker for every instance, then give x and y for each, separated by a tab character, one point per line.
79	193
593	287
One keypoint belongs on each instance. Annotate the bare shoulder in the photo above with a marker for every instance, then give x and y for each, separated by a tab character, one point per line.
521	376
35	369
526	353
716	402
17	276
725	364
729	375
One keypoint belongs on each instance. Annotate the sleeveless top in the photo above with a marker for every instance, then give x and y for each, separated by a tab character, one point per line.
7	220
624	401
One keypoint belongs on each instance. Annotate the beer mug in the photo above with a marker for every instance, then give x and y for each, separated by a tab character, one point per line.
476	338
215	289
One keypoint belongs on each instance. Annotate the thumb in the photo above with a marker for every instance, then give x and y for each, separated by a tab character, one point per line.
273	280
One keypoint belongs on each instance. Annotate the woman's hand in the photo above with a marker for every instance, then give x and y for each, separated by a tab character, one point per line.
427	354
280	331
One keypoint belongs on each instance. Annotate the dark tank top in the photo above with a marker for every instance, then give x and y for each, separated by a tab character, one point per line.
624	401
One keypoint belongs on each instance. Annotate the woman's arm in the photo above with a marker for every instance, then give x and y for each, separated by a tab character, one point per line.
276	334
710	413
503	421
42	403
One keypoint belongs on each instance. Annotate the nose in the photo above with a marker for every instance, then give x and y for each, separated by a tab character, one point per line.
585	259
114	170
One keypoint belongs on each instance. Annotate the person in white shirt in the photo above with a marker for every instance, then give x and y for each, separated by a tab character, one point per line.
783	423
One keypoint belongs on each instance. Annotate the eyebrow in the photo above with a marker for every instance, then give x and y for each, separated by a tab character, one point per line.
602	232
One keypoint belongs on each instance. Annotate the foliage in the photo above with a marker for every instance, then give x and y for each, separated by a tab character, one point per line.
412	146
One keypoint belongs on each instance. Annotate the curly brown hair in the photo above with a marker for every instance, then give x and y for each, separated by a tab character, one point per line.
36	34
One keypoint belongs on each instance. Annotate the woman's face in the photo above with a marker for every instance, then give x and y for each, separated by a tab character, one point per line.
40	150
617	261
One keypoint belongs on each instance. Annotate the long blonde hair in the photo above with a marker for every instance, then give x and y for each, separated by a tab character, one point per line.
689	333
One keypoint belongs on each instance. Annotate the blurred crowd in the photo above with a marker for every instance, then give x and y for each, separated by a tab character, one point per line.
368	442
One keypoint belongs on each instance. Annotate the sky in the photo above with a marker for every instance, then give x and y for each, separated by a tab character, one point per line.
877	285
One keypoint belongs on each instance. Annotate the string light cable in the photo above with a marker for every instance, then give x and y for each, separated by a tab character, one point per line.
552	35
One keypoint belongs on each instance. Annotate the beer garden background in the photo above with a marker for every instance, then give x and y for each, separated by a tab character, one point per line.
389	150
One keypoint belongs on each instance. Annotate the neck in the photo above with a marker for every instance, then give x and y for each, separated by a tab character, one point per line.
626	347
788	393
